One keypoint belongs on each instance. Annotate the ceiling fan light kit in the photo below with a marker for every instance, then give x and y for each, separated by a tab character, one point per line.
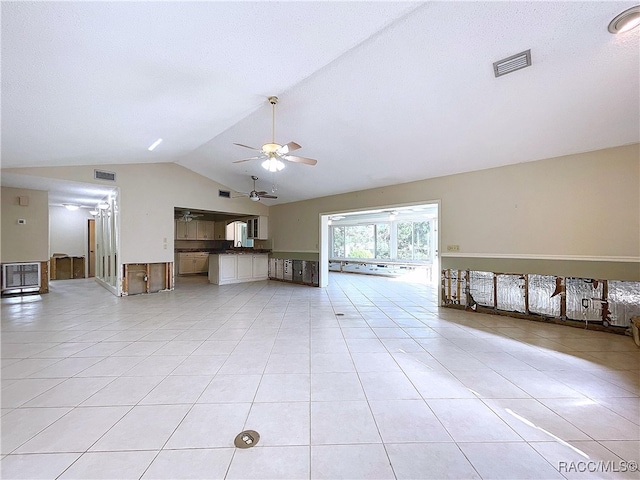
272	164
273	153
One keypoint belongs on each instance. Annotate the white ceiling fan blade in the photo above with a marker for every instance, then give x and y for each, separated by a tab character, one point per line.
289	147
247	146
306	161
239	194
247	159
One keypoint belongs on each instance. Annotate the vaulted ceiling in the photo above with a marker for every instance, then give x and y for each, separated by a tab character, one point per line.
379	93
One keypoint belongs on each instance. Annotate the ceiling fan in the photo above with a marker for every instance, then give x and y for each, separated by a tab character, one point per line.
254	195
273	153
187	216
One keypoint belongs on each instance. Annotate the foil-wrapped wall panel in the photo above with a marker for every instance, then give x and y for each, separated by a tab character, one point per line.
510	293
584	299
454	285
624	302
541	295
287	270
279	269
481	288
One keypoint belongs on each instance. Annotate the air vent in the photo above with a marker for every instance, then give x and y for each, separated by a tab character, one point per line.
102	175
224	193
512	63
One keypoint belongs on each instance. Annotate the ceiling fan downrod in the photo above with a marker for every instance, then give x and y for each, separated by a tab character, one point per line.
273	101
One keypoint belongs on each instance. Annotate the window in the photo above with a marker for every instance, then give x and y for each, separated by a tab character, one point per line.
337	242
359	241
383	241
414	241
389	240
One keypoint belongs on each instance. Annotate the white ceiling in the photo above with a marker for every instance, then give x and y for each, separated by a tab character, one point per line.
379	92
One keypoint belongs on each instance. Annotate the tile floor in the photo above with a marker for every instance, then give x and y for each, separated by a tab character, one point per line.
365	379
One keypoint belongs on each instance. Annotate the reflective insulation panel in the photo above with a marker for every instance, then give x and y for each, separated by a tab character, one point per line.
481	288
584	299
279	273
287	270
454	284
510	293
541	289
273	268
297	271
624	302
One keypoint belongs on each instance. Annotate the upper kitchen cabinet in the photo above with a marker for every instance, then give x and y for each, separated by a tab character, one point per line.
205	230
257	228
186	230
220	230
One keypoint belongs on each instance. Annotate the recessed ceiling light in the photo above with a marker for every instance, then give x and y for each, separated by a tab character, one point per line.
626	21
155	144
71	206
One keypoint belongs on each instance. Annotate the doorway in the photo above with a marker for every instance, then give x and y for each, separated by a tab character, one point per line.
382	241
91	247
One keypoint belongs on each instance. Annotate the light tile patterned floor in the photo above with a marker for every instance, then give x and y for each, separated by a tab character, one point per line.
365	379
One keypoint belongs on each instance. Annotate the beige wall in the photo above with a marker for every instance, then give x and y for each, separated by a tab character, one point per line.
68	231
576	208
29	242
148	195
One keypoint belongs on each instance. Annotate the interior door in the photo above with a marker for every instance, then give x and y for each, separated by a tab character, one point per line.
92	247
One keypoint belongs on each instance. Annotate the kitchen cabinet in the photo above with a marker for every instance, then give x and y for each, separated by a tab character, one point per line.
205	230
237	268
226	267
260	265
193	262
244	268
186	230
220	230
257	228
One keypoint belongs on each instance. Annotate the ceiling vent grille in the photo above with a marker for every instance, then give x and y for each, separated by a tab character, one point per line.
512	63
103	175
224	193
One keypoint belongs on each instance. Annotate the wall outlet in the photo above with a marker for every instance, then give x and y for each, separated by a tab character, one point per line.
453	248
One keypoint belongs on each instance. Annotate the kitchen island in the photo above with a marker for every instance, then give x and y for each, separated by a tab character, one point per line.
238	267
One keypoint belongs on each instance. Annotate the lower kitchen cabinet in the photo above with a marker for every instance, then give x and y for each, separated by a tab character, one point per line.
237	268
244	269
197	262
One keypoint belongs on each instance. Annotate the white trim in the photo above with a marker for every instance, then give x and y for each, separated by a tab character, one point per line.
514	256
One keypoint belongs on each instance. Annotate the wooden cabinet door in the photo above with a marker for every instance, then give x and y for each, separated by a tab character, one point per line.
181	230
263	230
245	266
200	262
227	266
205	230
260	266
186	264
186	230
